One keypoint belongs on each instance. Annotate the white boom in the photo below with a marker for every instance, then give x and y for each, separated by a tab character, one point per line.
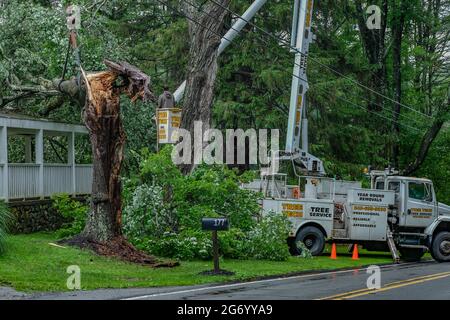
228	37
297	130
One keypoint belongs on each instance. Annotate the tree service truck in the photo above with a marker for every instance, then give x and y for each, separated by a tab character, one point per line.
399	214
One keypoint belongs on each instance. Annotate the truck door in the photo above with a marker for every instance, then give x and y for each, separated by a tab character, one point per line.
420	204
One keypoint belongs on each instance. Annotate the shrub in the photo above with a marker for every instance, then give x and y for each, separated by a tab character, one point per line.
72	210
186	245
216	190
6	219
211	189
305	252
267	240
234	244
145	214
164	209
158	168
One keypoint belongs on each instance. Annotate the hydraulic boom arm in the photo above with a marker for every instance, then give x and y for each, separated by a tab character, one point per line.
297	130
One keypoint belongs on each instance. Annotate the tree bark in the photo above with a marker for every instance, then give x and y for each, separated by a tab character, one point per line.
202	66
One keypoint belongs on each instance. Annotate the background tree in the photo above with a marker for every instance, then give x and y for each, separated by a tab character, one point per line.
350	127
205	28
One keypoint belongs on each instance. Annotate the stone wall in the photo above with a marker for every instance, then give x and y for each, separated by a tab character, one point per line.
36	216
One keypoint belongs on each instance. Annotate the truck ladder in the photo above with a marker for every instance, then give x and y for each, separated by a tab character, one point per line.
392	246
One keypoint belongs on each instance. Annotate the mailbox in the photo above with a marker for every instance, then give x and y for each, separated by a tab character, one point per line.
215	224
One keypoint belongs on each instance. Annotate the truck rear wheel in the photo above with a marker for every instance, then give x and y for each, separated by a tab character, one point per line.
313	239
411	255
440	249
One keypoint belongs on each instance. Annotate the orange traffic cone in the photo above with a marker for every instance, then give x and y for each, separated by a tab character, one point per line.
355	255
333	252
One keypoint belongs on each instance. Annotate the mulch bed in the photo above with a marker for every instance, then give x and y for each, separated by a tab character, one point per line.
119	248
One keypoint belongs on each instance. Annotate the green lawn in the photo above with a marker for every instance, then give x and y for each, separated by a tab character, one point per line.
31	264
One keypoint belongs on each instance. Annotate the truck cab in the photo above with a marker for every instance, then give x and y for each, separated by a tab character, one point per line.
418	220
415	200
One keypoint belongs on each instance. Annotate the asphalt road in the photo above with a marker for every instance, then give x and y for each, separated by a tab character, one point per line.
423	281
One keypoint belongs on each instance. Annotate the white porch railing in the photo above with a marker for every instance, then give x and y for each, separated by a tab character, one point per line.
83	174
1	181
39	179
24	183
57	179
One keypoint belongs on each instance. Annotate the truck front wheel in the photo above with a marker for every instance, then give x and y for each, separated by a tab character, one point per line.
313	239
440	249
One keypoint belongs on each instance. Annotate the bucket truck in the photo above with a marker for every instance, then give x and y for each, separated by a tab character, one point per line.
397	214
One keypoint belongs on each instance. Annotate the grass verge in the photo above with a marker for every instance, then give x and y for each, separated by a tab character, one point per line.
31	264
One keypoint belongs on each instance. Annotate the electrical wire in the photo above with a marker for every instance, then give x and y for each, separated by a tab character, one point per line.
318	62
338	97
417	121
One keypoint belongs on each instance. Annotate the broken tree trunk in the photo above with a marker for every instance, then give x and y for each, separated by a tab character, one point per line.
100	95
103	230
102	118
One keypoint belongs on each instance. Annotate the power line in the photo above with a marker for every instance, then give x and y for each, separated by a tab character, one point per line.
266	42
343	99
316	61
370	111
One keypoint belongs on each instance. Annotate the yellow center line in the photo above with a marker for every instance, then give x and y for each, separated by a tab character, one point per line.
390	286
393	287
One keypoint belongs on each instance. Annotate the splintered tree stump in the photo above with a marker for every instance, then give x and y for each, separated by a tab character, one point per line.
102	118
103	230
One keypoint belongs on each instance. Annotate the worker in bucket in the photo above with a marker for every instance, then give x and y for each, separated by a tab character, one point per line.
166	99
